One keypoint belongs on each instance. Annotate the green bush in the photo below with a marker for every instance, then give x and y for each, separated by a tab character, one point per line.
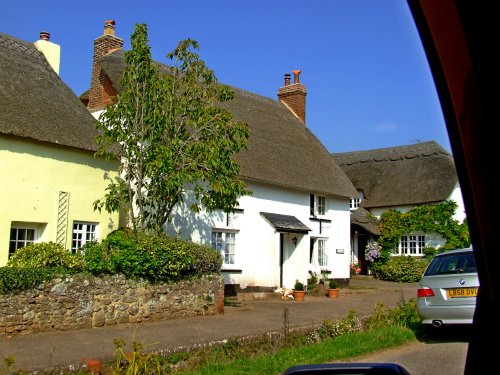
405	314
312	283
402	269
154	257
351	323
14	279
298	285
96	259
45	254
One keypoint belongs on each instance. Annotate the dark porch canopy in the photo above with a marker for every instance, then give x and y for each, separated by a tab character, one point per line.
286	223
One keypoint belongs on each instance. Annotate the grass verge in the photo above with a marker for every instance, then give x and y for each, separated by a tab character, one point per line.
331	350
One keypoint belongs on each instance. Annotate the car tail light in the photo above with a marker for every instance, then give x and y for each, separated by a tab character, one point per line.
425	292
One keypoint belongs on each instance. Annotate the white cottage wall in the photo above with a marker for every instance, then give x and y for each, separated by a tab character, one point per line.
257	259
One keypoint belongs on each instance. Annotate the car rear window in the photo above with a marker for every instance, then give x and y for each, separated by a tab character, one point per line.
453	263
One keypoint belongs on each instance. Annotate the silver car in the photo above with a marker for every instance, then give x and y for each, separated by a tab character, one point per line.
448	289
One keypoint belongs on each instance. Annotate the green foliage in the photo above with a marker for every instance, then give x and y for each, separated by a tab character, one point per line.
351	323
298	285
171	136
272	353
13	279
402	269
405	314
96	259
154	257
312	283
430	252
45	254
140	361
436	218
332	284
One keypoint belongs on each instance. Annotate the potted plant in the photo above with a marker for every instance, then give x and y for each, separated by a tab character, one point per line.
355	269
298	291
333	290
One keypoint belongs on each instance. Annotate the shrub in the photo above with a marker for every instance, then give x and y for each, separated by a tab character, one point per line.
312	282
405	314
45	254
351	323
298	285
332	284
96	259
155	257
14	279
402	269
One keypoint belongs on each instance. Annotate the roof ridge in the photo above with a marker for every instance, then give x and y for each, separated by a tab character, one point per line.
21	46
418	150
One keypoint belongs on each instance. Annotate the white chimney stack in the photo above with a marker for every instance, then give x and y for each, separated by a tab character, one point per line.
51	51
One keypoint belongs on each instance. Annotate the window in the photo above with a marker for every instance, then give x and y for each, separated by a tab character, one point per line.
354	203
411	245
317	205
322	258
83	233
224	242
20	237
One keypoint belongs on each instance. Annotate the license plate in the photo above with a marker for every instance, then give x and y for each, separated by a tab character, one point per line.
461	292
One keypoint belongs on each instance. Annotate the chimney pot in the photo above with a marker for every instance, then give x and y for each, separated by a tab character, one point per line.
296	74
109	27
44	35
287	79
294	96
102	91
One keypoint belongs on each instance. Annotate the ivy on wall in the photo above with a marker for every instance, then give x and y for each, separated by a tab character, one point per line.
437	218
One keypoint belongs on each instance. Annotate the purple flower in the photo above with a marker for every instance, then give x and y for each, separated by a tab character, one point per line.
372	252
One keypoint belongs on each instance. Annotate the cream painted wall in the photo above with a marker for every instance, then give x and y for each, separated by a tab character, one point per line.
258	243
51	51
32	177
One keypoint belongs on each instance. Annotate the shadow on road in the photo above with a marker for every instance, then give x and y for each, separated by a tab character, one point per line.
454	333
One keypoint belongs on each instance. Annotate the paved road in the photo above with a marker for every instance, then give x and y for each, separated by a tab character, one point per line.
420	358
55	350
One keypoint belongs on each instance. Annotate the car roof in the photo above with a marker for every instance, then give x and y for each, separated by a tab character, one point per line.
455	251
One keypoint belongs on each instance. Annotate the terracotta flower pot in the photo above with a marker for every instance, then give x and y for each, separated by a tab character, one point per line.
298	295
333	293
93	366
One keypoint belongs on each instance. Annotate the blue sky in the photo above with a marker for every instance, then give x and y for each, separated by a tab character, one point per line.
367	78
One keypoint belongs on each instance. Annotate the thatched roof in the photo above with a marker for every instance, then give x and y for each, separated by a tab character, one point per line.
35	103
365	220
421	173
282	151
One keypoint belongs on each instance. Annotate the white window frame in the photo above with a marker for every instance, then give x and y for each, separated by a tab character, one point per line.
22	242
322	253
318	205
224	241
411	245
83	232
354	203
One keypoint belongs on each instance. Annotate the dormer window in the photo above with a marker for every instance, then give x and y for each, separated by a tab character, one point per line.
317	205
354	203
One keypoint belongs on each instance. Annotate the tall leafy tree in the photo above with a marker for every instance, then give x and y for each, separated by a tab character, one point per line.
171	137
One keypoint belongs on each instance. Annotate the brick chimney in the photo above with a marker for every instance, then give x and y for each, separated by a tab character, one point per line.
294	95
51	51
101	89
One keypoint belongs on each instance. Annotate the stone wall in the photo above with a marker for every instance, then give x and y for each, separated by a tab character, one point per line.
83	301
